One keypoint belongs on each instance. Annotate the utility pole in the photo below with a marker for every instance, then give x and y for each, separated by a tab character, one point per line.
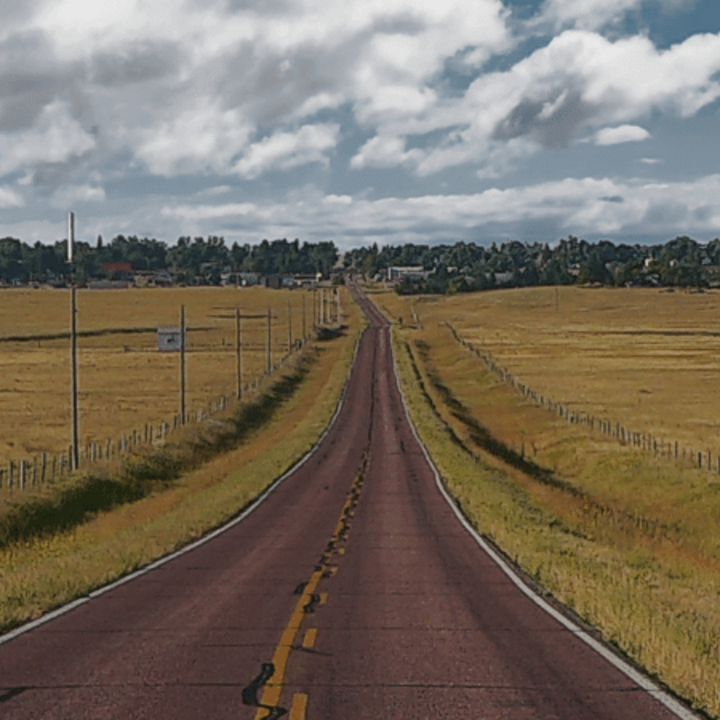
238	351
74	448
182	364
304	335
290	337
269	342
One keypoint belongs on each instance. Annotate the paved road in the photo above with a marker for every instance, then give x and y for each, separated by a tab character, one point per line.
351	592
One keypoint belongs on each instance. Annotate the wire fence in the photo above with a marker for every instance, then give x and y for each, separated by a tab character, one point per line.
45	468
17	476
659	447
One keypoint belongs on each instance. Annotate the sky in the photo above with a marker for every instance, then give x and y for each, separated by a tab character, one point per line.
361	121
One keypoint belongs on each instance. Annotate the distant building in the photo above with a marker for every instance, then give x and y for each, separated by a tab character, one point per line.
240	279
118	270
153	278
412	272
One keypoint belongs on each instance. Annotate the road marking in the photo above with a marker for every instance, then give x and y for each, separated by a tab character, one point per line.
259	500
272	690
309	640
299	706
274	686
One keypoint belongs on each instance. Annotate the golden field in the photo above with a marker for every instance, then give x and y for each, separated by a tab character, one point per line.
219	479
648	359
627	539
124	382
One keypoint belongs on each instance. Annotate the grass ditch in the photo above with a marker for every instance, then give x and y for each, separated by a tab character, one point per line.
206	477
630	567
72	501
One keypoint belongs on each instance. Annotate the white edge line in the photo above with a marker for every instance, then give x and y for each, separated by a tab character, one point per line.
624	667
53	614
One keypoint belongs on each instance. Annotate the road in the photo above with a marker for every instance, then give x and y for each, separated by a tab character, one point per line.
351	591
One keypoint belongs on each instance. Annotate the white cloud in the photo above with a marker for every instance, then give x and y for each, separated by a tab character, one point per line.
581	206
586	14
579	80
56	137
69	195
621	134
202	138
384	151
9	198
284	150
208	212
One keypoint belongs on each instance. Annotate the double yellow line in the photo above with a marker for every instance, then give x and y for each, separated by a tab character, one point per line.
273	689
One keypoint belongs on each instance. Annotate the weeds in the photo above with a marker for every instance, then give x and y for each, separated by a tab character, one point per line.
629	542
74	500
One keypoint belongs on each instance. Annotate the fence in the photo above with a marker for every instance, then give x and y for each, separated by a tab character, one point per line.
614	430
27	474
41	469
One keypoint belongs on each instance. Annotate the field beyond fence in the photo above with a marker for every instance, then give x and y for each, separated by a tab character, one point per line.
578	429
129	392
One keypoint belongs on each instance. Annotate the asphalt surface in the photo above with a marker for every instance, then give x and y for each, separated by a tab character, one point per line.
352	591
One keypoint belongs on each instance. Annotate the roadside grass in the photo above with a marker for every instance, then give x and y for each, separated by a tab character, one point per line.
124	382
206	476
628	541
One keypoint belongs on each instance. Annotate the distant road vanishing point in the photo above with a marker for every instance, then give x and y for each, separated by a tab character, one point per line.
352	590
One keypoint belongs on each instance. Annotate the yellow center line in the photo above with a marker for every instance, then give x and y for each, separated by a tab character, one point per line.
299	706
309	640
273	689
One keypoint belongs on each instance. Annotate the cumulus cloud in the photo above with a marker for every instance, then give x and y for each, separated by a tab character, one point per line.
579	81
596	14
285	150
71	195
56	137
587	206
9	198
587	14
197	140
621	134
222	92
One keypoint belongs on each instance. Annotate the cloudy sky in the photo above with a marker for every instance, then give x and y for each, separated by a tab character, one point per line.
361	121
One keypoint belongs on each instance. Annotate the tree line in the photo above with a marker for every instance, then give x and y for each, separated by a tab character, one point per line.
463	267
195	260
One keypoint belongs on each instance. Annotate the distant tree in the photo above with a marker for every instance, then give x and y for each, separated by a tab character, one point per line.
593	270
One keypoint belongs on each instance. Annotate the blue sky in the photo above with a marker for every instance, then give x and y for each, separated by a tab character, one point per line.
364	121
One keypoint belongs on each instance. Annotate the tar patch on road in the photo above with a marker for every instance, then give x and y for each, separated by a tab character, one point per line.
250	693
272	674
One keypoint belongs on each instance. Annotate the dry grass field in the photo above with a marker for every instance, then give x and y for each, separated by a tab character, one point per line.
649	359
629	540
219	478
124	382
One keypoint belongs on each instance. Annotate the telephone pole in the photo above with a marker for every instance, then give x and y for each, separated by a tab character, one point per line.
269	342
182	364
238	351
74	447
